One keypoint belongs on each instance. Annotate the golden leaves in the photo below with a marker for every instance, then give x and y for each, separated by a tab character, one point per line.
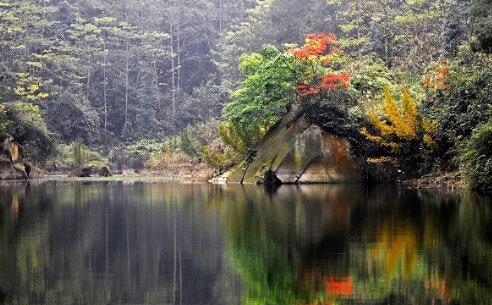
398	124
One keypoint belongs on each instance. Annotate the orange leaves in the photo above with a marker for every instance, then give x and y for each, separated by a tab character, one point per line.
334	81
437	77
318	50
328	82
339	287
315	45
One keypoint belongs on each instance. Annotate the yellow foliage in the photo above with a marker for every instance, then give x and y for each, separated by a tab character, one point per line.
231	136
14	151
20	91
33	88
399	123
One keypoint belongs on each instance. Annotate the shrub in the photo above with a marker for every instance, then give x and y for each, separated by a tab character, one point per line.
460	108
77	155
219	157
476	157
400	128
194	138
144	149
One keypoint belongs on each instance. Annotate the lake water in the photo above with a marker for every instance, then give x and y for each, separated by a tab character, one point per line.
156	243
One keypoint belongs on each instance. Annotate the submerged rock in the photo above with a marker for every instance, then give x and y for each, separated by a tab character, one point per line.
296	151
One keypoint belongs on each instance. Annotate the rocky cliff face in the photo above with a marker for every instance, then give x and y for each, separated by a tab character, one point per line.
296	151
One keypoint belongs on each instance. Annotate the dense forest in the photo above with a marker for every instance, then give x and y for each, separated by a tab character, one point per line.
154	82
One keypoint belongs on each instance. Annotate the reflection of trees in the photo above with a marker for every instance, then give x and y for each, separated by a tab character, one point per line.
320	245
267	238
260	256
161	244
107	244
466	256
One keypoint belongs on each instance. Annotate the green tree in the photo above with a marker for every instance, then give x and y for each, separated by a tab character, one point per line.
481	11
268	90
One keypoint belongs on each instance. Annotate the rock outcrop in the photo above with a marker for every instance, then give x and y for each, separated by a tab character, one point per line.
17	171
295	151
14	168
91	171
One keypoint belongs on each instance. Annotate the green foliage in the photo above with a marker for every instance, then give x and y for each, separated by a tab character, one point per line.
77	155
476	157
460	108
146	148
219	160
5	124
268	90
482	12
193	139
270	22
404	34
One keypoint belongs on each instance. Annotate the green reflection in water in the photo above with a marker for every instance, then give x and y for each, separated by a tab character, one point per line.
350	245
155	243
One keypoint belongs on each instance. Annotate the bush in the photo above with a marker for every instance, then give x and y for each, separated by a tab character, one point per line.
476	157
194	138
145	148
460	108
77	155
400	128
404	131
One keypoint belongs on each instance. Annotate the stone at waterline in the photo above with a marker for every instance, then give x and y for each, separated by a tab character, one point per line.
91	171
16	172
104	172
295	151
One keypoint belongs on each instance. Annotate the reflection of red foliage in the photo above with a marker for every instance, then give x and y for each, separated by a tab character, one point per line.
315	45
339	287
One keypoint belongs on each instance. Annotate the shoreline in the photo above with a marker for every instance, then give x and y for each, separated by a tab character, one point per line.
448	181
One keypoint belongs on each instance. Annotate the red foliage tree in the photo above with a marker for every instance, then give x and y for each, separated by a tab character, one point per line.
315	45
320	47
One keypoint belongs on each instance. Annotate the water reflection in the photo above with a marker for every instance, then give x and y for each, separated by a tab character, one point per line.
154	243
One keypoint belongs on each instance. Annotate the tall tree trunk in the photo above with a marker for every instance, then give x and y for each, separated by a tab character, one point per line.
173	66
178	51
157	92
88	84
105	96
127	64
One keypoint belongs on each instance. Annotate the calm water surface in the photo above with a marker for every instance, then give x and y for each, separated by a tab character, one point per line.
155	243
